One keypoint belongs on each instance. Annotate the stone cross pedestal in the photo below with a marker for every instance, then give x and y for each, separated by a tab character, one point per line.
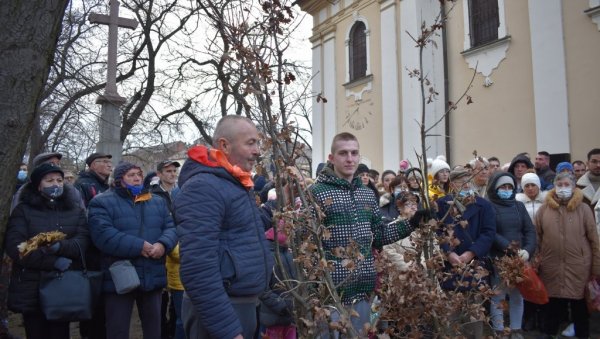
110	117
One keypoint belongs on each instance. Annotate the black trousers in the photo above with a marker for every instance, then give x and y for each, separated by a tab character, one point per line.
37	327
555	313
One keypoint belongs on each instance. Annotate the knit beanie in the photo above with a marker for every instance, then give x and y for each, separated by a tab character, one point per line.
530	178
564	166
122	168
438	165
362	168
39	172
503	180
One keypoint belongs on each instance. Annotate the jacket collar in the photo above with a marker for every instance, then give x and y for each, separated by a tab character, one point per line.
575	200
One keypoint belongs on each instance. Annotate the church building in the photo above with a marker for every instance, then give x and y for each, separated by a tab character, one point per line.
534	65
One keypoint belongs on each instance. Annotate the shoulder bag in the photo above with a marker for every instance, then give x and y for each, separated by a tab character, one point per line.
70	295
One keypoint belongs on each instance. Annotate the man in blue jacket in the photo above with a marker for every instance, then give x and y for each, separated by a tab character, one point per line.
225	259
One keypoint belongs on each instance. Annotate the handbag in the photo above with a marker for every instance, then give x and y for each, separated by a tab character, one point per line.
71	295
592	295
532	288
124	276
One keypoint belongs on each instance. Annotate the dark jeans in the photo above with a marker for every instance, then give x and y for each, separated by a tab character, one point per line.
177	297
37	327
119	308
554	314
194	329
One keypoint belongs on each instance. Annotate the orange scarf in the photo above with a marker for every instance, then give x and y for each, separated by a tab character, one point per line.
205	156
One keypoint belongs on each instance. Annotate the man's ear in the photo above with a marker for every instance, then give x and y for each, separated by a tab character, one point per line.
330	157
224	145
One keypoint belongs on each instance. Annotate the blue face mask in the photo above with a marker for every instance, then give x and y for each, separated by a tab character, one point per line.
135	189
52	192
465	193
504	194
22	175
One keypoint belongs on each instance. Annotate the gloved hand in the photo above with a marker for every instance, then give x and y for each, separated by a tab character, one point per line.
523	254
421	215
62	264
52	249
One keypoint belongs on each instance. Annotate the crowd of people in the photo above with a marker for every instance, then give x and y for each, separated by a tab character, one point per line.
203	248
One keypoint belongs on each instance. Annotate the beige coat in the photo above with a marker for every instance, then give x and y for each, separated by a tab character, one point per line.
568	246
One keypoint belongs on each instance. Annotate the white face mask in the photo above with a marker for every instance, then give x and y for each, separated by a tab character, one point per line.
564	193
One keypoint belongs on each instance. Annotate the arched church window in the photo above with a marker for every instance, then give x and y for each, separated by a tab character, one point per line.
358	51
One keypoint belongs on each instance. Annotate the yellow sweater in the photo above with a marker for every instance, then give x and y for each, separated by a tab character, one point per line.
173	280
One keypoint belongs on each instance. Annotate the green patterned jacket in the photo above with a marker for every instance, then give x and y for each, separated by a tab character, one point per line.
352	213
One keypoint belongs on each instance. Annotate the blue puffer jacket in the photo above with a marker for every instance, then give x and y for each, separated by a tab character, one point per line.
119	227
223	249
477	236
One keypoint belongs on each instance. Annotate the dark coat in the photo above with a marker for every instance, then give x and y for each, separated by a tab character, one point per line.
169	198
119	226
89	185
35	214
477	236
223	248
512	221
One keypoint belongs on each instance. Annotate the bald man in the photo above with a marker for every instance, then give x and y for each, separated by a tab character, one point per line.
225	259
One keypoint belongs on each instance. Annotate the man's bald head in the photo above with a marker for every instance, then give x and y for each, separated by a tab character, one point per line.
228	128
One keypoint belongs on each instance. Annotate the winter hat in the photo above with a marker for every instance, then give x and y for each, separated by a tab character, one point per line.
272	195
414	172
530	178
438	165
39	172
362	168
98	155
43	157
459	173
122	168
564	166
505	179
404	165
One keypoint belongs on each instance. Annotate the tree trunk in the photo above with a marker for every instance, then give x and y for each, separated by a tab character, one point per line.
28	39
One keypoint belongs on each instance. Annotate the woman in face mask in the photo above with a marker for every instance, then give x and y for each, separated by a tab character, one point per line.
515	236
44	205
568	254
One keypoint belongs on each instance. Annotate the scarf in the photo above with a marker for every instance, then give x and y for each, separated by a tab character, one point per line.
216	158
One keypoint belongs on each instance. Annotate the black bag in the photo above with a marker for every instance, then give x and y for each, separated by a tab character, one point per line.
70	295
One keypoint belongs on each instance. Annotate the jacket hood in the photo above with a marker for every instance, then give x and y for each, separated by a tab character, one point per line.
554	203
491	190
192	167
32	197
517	159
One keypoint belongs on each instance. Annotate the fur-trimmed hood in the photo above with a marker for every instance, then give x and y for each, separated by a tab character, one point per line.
554	203
32	197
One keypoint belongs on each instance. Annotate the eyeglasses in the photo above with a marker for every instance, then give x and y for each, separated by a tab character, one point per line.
104	161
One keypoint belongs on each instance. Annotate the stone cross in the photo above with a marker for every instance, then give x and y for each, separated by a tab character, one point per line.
109	124
114	22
